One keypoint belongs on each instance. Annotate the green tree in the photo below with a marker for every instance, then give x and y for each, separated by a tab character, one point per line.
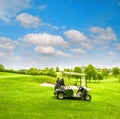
100	76
45	71
57	69
77	69
33	71
115	70
95	75
91	72
49	72
67	70
2	67
52	72
104	72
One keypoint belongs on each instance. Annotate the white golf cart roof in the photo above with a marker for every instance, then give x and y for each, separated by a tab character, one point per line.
83	81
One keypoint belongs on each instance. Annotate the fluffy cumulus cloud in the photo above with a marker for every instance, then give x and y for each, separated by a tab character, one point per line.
117	45
77	38
75	35
27	20
9	8
102	36
60	53
78	51
6	44
45	40
96	36
45	50
48	50
51	26
46	44
7	47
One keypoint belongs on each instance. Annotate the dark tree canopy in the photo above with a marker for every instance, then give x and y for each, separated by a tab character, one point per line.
91	72
78	69
104	72
57	69
115	71
2	67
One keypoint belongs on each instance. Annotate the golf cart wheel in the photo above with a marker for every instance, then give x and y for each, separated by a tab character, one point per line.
87	97
60	95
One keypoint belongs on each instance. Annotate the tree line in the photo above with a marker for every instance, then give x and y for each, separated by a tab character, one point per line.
32	71
92	72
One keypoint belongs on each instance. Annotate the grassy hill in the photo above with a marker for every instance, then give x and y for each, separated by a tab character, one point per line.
22	97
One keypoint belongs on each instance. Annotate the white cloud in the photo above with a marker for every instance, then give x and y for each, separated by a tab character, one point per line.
60	53
42	7
48	50
78	51
111	53
96	30
7	47
45	40
75	35
6	44
102	36
9	8
77	38
2	54
27	20
51	26
18	58
117	45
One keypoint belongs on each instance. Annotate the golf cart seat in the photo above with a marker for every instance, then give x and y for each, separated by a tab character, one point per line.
59	83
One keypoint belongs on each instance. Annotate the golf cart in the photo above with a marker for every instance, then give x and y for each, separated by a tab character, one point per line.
62	91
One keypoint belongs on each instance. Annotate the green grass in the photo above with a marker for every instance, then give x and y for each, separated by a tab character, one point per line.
22	97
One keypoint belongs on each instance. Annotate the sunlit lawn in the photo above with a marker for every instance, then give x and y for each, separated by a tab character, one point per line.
22	97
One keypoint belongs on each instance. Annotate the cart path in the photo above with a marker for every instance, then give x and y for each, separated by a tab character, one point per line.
52	85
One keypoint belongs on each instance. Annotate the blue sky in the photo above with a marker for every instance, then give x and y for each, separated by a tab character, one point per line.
64	33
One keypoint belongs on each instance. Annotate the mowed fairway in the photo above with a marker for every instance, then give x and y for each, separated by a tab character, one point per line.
22	97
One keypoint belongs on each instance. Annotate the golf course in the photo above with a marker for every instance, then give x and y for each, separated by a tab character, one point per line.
22	97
